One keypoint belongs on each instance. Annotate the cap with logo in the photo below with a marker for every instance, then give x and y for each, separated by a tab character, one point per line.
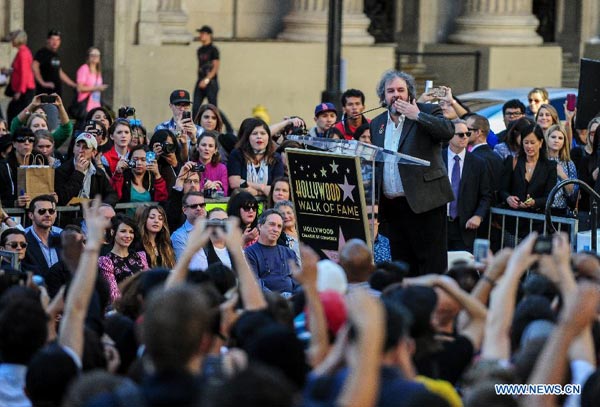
325	107
180	96
89	139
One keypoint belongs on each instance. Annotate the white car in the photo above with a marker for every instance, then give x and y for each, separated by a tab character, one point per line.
489	103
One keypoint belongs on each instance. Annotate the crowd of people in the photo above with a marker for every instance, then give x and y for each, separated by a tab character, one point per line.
172	302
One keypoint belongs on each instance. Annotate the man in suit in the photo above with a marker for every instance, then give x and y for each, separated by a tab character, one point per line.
41	253
479	127
471	186
413	199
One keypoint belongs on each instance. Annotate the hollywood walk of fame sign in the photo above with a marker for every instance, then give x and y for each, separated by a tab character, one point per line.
329	198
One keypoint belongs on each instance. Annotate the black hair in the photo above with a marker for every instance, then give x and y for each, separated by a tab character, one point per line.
531	308
126	220
49	374
263	216
23	329
41	198
388	273
520	127
353	93
222	277
398	320
91	113
22	132
8	232
235	204
513	104
360	130
161	136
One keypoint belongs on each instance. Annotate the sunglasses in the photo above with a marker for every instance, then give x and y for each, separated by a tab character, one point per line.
249	206
14	245
43	211
196	206
464	134
534	100
22	139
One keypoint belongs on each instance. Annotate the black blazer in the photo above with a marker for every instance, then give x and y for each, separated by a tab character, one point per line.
474	195
34	258
542	181
494	165
426	188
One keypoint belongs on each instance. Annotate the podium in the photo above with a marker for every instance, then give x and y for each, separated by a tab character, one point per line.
346	150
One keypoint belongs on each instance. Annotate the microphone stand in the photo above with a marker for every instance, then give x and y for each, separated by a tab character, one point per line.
594	196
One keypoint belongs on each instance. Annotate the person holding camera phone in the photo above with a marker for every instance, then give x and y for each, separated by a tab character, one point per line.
413	202
181	124
166	149
137	179
215	250
65	127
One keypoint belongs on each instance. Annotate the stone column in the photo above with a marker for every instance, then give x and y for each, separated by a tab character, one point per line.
497	22
163	22
307	22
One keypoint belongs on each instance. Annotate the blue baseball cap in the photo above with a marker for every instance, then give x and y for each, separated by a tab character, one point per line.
325	107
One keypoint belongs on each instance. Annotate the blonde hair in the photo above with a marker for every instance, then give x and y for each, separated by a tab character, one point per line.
564	154
19	37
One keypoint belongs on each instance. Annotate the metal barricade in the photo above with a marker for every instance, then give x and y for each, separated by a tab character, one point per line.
529	219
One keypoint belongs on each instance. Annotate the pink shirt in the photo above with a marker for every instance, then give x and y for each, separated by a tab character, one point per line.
87	78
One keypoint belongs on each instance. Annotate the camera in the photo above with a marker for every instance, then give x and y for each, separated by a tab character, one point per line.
438	92
132	163
218	223
210	193
126	111
47	98
167	148
542	245
297	130
198	167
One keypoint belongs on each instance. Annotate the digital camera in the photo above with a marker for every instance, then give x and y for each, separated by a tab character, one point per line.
126	111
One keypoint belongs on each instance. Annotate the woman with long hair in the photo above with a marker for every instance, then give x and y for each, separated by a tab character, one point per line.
21	87
244	206
24	118
209	118
546	117
89	80
214	177
165	146
514	135
121	262
254	164
558	151
280	191
3	127
137	180
155	237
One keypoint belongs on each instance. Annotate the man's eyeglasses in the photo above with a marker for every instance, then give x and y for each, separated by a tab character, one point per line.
464	134
249	206
14	245
196	206
191	181
42	211
513	114
23	139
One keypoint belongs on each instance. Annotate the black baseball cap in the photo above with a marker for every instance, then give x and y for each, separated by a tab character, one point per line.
54	32
205	29
180	96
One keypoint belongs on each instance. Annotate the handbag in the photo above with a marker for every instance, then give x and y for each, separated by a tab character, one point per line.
9	92
35	180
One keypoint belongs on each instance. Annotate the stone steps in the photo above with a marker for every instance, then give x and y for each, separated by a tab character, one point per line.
570	71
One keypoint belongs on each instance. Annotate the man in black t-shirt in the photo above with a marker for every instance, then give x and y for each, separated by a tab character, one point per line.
47	67
207	85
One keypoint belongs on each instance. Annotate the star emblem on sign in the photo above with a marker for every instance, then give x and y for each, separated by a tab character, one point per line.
323	172
334	167
347	188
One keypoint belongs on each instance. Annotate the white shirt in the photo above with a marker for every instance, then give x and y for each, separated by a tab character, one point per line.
392	182
200	262
451	164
